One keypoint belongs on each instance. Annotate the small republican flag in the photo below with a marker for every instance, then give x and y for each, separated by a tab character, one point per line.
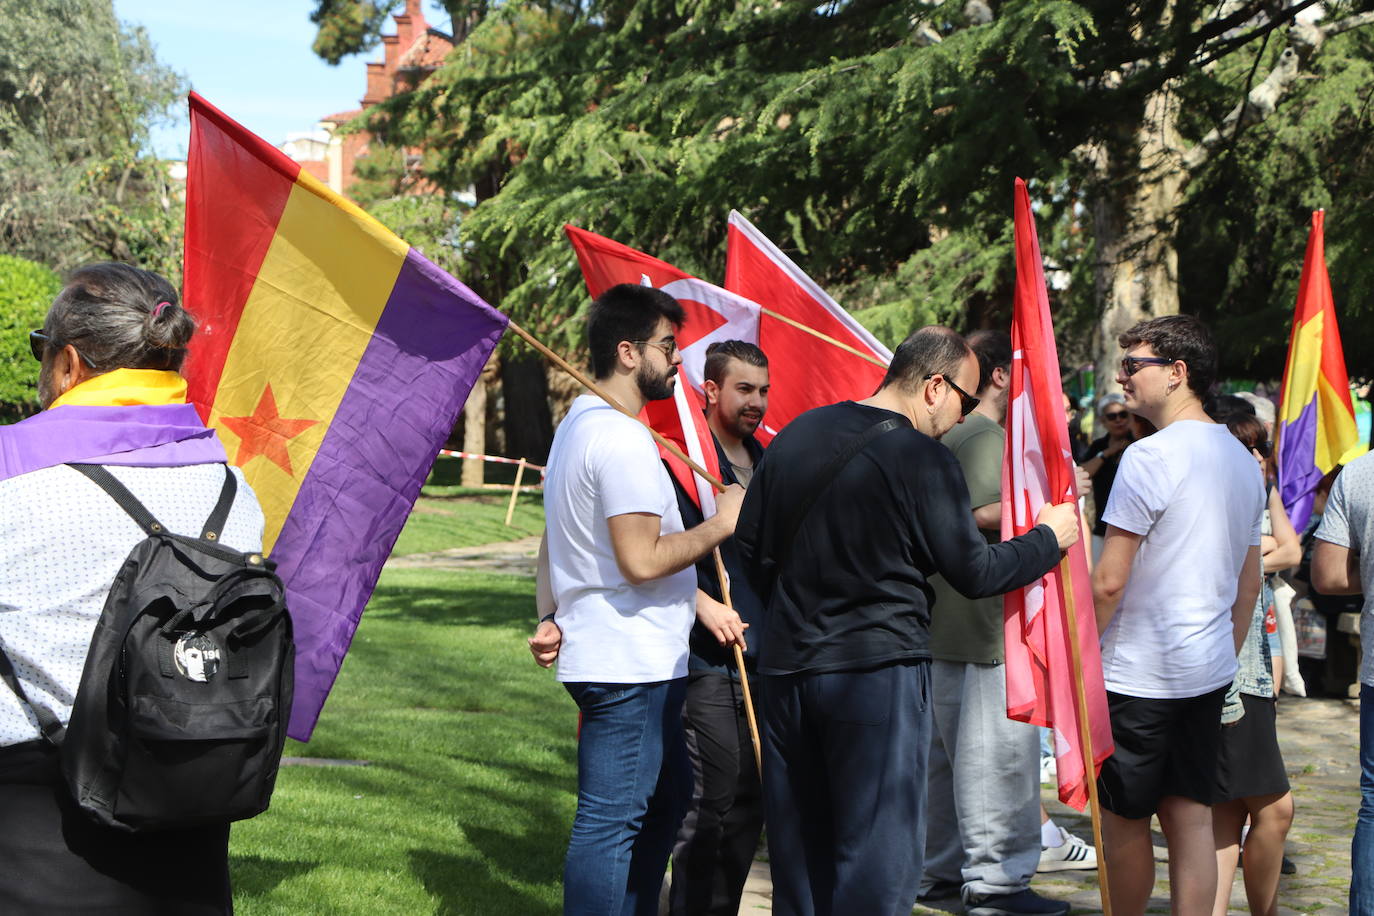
334	360
1316	421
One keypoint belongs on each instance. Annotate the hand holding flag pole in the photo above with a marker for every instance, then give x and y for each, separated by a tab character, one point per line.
672	448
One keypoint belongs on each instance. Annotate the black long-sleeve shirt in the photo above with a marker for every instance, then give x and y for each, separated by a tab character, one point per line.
851	589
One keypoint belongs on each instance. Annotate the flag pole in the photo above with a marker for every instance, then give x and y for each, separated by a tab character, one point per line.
591	386
825	337
1085	733
743	674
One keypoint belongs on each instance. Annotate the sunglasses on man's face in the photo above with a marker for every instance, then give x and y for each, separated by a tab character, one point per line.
1130	365
39	342
966	401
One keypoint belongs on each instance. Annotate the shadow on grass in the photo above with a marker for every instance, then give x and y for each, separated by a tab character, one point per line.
254	876
471	605
465	886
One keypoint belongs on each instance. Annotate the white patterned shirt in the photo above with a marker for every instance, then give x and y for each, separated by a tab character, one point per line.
62	542
1348	521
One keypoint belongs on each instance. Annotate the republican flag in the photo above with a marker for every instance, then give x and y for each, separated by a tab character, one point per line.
1316	422
712	313
1038	469
333	359
805	371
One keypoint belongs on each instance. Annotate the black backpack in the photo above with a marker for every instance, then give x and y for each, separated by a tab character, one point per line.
181	715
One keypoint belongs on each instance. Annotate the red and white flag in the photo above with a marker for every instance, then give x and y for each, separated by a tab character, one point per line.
712	314
1038	468
804	370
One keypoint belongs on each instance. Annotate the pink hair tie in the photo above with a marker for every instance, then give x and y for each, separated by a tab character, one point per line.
157	310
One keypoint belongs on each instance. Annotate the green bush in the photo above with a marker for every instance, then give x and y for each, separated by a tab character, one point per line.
26	291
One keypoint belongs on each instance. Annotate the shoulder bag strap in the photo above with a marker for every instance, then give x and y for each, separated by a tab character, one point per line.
214	525
48	723
832	470
120	494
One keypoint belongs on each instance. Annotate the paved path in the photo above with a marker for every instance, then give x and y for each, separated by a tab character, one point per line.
514	557
1320	741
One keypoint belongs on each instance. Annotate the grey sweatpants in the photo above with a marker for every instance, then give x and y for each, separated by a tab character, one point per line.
983	807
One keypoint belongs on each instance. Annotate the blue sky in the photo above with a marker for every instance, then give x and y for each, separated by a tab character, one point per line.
251	59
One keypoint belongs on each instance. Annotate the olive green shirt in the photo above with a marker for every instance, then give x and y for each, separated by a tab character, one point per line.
970	629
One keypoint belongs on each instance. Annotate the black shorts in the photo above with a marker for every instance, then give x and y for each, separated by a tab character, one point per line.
1250	763
1163	747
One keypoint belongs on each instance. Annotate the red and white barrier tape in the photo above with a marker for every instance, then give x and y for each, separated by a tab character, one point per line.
497	459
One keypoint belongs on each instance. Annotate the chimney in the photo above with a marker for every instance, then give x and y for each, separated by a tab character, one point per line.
391	51
378	84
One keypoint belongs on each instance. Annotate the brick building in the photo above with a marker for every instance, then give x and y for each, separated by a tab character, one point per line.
408	57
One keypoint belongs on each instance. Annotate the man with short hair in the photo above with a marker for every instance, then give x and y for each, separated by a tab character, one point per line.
1343	564
616	598
1174	591
856	507
716	843
983	837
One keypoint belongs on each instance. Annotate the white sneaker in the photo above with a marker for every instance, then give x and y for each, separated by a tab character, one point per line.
1049	772
1075	854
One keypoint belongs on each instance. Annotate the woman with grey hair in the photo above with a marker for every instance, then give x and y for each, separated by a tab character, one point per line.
110	351
1104	455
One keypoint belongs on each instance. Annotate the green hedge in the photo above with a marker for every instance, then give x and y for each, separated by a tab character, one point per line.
26	291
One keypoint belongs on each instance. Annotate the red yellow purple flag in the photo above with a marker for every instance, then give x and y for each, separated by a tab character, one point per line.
1038	469
1316	422
334	360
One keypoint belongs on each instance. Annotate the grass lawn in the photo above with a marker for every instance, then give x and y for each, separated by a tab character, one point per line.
466	806
447	515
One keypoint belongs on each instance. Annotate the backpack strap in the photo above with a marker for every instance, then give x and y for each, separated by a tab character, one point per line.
214	525
120	494
829	473
48	723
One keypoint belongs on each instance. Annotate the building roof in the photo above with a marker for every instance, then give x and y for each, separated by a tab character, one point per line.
342	116
427	52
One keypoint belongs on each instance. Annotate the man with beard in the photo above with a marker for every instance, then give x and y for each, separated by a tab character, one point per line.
855	509
716	844
616	596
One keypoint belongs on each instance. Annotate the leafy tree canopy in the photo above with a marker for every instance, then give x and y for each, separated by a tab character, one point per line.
26	291
78	92
878	139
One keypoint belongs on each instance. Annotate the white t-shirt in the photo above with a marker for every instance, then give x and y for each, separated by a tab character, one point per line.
1348	521
62	542
1195	493
603	464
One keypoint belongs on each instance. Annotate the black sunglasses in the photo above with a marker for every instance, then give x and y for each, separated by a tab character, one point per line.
1265	448
1130	365
966	401
1115	415
39	342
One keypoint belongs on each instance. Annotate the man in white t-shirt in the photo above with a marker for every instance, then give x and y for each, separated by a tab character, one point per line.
1343	564
1174	590
616	592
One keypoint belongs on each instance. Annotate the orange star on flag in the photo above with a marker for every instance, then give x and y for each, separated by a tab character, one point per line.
265	432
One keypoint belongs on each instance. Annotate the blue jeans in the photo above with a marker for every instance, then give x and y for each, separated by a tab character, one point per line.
1362	850
633	784
844	782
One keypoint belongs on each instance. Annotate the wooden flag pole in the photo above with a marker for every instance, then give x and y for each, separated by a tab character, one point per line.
825	337
743	674
1085	734
591	386
515	491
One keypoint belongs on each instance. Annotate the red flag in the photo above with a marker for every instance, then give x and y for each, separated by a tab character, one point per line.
804	370
681	420
1038	468
712	313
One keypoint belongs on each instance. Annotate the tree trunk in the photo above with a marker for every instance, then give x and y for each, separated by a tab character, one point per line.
475	429
528	425
1139	189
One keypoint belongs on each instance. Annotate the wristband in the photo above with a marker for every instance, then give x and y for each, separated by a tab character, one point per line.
547	617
